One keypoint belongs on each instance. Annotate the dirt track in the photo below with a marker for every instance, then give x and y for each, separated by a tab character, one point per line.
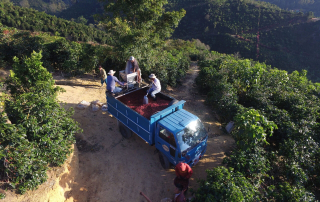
111	168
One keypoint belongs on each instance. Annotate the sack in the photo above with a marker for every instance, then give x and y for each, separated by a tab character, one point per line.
104	108
145	100
128	68
97	102
83	104
95	107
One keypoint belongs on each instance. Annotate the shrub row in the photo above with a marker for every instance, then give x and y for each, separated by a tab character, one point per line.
170	64
40	132
277	125
30	19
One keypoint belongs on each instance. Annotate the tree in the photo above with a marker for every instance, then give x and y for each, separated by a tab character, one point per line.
139	26
82	20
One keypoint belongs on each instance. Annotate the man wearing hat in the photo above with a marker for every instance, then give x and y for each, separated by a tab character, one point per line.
155	88
111	82
135	68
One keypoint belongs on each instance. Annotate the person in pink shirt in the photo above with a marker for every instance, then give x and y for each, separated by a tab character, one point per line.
184	173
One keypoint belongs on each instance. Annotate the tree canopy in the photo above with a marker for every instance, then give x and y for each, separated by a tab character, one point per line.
139	27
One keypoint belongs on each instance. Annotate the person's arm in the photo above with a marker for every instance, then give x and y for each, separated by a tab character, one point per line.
189	172
177	172
119	82
135	65
104	73
157	84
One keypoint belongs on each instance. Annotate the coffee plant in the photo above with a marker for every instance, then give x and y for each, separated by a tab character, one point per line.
276	117
252	129
224	184
41	132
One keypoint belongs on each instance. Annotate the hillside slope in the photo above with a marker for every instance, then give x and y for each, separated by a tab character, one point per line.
30	19
67	9
48	6
85	8
305	6
256	30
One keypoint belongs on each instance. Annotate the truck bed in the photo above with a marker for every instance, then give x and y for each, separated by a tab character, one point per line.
134	100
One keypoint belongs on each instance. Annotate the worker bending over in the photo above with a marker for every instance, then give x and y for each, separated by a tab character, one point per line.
111	83
183	173
155	88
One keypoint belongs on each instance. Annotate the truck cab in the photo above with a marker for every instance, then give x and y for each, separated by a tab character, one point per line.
180	137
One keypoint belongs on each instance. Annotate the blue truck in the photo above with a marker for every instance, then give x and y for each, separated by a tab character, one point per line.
177	134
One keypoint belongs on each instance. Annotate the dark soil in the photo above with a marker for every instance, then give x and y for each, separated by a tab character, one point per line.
84	146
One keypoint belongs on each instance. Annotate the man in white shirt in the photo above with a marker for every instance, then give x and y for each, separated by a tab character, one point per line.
155	88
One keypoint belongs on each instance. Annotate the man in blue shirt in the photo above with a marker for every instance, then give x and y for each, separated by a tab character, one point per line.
155	88
111	83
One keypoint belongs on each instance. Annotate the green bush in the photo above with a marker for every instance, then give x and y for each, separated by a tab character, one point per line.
29	19
223	184
262	100
252	129
41	133
253	164
286	192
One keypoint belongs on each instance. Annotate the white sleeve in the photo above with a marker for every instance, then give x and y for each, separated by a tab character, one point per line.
157	84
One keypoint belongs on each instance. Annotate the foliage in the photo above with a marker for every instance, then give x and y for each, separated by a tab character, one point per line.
140	28
298	6
251	129
75	58
252	163
225	185
51	6
262	100
258	30
59	53
85	8
29	19
286	192
40	133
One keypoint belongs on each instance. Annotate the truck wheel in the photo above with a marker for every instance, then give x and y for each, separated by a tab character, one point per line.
164	161
173	102
125	131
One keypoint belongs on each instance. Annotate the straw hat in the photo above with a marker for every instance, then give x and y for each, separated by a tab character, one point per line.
111	72
152	76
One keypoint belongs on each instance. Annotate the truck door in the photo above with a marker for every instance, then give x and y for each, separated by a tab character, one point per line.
166	144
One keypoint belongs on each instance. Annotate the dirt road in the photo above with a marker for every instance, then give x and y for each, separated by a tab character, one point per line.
113	169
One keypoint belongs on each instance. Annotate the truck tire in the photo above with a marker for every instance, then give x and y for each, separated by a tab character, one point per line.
173	102
125	131
164	161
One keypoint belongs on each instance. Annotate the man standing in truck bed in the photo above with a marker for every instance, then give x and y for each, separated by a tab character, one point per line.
135	68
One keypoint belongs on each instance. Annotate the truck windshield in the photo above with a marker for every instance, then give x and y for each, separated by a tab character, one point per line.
192	135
